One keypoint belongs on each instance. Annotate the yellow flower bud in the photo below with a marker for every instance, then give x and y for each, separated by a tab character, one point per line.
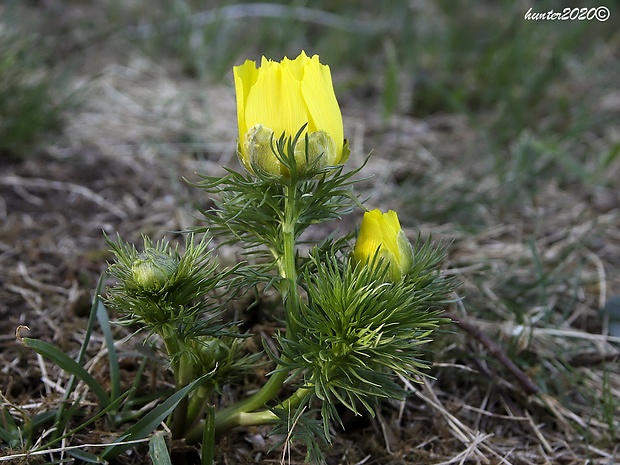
279	98
381	234
152	271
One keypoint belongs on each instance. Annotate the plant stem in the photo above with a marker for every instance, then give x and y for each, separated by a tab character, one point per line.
227	418
241	412
208	437
197	404
267	416
288	267
183	375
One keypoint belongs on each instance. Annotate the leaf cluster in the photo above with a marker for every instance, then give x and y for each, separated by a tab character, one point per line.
182	305
249	208
182	299
359	329
301	425
223	357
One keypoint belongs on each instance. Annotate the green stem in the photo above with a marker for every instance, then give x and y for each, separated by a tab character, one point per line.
197	403
183	375
208	437
288	266
227	418
241	412
267	416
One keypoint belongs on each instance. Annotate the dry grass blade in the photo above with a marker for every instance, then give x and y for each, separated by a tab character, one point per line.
38	183
64	449
477	446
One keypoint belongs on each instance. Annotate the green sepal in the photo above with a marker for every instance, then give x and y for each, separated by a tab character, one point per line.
346	152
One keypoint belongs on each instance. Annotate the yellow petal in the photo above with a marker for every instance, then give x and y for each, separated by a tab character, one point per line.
284	97
369	239
320	99
275	101
381	233
297	65
390	227
245	77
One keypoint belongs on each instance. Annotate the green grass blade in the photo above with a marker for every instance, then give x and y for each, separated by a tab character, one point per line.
6	420
69	365
61	417
151	420
40	419
609	157
91	320
112	407
10	433
104	322
84	456
390	87
8	439
134	387
158	451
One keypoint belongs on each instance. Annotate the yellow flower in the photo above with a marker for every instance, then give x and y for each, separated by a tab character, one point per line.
381	234
278	98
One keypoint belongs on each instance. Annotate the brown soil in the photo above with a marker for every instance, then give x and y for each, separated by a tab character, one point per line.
119	167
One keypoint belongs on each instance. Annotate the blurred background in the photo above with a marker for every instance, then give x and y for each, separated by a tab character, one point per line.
497	135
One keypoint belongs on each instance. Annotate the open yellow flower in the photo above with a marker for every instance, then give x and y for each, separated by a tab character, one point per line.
381	234
278	98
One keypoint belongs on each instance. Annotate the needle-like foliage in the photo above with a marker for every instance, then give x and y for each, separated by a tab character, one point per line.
250	208
159	286
360	330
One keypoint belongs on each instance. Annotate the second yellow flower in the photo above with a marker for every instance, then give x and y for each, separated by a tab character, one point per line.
381	235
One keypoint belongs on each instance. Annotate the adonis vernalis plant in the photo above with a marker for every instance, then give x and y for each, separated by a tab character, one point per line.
354	317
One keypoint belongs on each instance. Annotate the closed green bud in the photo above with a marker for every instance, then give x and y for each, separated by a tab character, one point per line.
152	270
211	353
316	150
257	144
320	150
